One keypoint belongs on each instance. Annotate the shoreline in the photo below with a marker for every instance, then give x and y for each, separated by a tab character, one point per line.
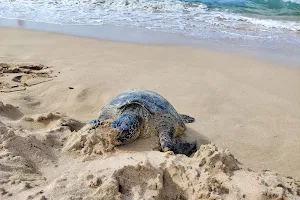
152	37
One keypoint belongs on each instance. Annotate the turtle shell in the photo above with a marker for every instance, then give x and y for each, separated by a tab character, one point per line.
152	101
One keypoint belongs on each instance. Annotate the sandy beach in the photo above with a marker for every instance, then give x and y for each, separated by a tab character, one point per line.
248	106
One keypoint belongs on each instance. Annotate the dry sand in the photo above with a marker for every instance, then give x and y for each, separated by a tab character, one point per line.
51	85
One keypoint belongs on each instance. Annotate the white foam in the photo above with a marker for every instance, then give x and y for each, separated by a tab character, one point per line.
166	15
293	1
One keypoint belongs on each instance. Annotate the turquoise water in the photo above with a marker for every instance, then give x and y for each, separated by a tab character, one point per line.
269	8
248	23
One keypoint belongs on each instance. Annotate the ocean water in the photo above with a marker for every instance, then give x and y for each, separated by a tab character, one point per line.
249	23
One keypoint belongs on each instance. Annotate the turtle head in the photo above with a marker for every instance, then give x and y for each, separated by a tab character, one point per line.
126	128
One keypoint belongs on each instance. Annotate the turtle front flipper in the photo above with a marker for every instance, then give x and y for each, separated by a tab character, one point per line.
186	118
167	130
166	133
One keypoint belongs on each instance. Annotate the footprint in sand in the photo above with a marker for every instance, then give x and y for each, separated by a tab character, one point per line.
27	75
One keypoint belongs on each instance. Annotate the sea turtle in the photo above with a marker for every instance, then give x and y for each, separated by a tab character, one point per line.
142	112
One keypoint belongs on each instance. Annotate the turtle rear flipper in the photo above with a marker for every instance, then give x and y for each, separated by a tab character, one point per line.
187	119
185	148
